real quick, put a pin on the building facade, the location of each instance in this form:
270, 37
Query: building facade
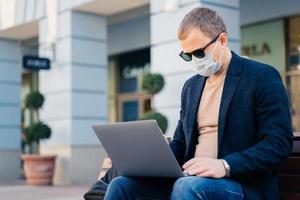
99, 50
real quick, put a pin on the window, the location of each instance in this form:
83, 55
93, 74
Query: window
293, 69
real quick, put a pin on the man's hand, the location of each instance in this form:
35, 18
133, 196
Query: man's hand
205, 167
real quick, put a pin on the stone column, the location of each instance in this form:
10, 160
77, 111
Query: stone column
10, 110
75, 90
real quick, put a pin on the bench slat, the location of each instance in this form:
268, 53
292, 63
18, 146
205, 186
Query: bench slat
289, 196
289, 183
291, 165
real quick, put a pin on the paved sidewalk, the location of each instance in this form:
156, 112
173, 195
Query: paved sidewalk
23, 192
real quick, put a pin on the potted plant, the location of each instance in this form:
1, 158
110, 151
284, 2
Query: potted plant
38, 169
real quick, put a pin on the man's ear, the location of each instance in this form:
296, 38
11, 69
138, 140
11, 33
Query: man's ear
223, 39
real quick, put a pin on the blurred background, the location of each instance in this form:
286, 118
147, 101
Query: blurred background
73, 63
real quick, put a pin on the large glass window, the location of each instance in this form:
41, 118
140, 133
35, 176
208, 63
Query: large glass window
293, 69
277, 43
264, 42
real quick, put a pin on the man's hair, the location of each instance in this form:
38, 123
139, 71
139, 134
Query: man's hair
207, 20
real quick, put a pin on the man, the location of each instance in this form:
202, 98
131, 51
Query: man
234, 125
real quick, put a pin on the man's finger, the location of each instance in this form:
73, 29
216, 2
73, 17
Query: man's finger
198, 170
205, 174
189, 163
193, 167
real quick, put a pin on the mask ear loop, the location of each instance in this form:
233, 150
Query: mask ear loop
220, 59
214, 48
213, 51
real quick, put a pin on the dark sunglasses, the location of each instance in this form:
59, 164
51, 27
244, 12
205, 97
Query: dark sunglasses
199, 53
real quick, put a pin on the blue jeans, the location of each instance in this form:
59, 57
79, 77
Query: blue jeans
191, 187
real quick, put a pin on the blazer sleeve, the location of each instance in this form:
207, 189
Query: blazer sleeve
178, 144
273, 128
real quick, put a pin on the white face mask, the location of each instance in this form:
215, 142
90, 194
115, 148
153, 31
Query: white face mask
206, 66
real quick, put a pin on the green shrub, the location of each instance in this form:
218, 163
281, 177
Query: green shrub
161, 120
153, 83
36, 132
34, 100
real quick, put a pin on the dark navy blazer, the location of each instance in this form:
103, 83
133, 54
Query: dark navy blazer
254, 131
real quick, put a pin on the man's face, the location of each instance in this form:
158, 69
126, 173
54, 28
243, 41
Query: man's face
197, 39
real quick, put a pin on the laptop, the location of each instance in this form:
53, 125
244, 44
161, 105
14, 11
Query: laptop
138, 149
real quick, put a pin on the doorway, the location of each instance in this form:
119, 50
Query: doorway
127, 100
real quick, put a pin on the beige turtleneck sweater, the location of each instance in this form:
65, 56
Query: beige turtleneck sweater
208, 113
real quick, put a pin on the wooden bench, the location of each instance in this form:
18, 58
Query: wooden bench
288, 173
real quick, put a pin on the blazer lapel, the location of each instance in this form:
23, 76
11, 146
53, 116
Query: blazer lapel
230, 85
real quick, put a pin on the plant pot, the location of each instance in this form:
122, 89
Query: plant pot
39, 169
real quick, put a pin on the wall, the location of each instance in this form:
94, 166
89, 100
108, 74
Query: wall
260, 10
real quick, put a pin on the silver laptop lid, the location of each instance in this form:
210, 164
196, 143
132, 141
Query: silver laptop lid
138, 148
